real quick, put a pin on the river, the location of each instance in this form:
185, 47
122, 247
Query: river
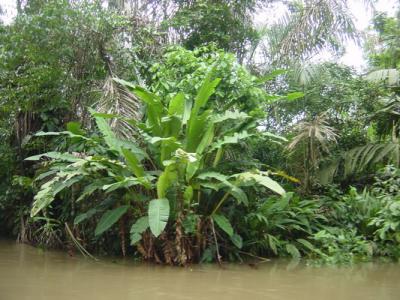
28, 273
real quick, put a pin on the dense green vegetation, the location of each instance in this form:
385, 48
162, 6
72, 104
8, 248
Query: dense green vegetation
162, 131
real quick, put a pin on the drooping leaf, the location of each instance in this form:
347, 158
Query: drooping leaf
106, 131
133, 163
109, 218
158, 215
293, 251
140, 225
50, 189
123, 184
263, 180
82, 217
95, 185
235, 191
138, 228
237, 240
223, 223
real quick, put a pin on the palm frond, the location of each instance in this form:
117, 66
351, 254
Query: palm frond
118, 100
358, 160
313, 25
389, 76
317, 130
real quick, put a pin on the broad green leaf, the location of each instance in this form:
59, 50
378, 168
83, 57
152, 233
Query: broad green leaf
186, 113
192, 168
124, 82
154, 109
82, 217
109, 218
230, 115
237, 136
133, 163
235, 191
204, 93
237, 240
213, 175
197, 128
140, 225
166, 179
262, 180
105, 116
223, 223
45, 174
123, 184
138, 228
294, 96
167, 148
58, 133
139, 153
207, 139
95, 185
171, 126
75, 128
197, 123
55, 155
188, 194
177, 105
278, 137
158, 215
239, 195
135, 237
107, 132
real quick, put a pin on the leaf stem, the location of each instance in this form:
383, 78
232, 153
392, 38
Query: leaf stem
220, 202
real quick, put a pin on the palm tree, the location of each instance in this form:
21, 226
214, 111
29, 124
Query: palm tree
312, 141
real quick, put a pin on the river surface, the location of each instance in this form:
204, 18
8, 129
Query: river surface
30, 273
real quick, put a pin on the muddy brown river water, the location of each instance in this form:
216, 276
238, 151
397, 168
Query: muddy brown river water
31, 273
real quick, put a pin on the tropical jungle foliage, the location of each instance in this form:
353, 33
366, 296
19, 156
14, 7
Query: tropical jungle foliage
181, 132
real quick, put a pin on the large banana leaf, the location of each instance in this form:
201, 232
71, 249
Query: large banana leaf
158, 215
197, 122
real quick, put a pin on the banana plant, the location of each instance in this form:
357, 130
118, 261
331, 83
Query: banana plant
187, 141
177, 160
